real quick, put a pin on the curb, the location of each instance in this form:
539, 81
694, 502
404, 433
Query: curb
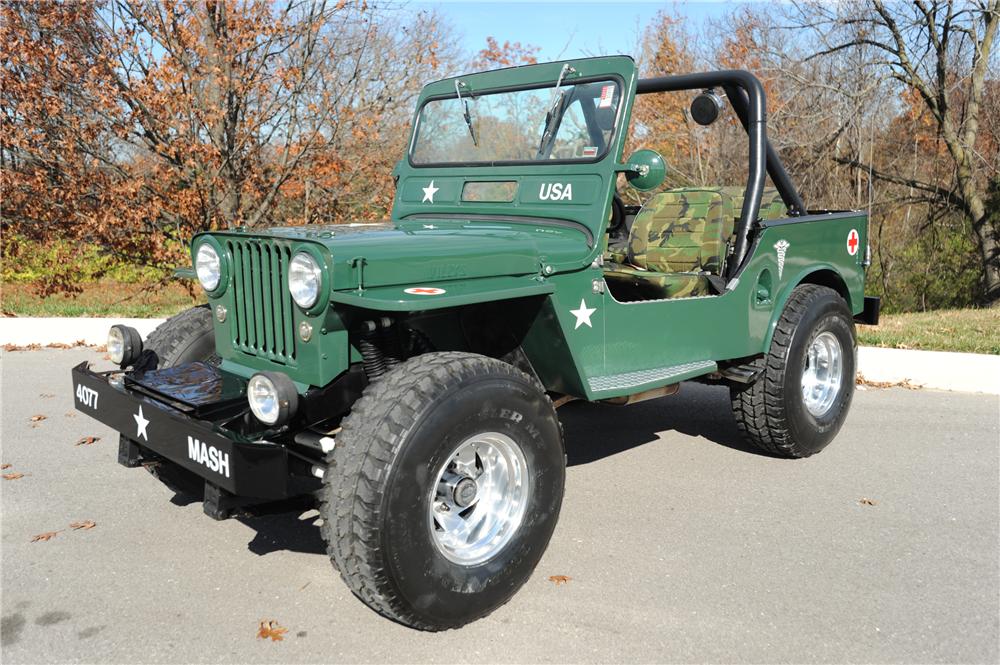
939, 370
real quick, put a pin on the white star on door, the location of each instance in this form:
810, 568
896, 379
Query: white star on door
583, 314
429, 192
140, 425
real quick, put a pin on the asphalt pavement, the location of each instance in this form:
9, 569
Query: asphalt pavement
680, 545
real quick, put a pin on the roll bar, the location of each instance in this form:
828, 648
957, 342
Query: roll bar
746, 96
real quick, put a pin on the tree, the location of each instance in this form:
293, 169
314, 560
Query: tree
940, 53
136, 124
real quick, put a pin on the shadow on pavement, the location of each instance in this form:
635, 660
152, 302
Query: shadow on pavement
595, 431
592, 432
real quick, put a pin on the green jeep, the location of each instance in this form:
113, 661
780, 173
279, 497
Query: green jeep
407, 374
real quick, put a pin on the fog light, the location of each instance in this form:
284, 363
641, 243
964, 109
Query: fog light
272, 397
124, 345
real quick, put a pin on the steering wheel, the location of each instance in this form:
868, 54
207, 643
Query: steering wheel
617, 214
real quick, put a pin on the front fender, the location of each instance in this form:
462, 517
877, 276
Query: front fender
439, 295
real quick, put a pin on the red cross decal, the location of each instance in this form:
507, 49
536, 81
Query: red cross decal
852, 242
424, 291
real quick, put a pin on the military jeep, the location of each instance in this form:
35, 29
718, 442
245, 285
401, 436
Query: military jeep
407, 375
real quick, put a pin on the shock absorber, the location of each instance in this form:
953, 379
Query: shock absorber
392, 349
371, 356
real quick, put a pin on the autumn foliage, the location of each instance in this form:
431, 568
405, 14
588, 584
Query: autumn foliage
135, 125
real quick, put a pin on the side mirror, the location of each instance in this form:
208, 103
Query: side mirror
645, 170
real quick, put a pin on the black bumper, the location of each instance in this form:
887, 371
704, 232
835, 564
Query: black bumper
257, 469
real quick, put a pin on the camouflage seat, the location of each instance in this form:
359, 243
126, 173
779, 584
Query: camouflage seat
679, 241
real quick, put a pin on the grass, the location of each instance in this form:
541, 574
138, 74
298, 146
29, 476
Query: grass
964, 330
106, 297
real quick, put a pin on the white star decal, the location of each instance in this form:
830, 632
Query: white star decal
140, 425
429, 192
583, 314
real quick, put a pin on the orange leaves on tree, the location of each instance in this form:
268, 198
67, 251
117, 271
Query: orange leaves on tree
508, 54
272, 630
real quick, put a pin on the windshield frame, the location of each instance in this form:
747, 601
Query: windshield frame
610, 77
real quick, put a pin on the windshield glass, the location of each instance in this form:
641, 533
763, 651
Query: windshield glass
573, 122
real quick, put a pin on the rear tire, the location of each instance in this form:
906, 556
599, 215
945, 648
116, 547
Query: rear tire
394, 495
183, 338
799, 401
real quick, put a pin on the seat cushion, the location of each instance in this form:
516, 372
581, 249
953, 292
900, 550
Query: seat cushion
628, 283
680, 231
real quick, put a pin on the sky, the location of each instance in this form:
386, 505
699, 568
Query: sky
563, 29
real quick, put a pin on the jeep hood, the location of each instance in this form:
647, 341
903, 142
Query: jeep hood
430, 251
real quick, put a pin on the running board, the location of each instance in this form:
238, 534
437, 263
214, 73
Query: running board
649, 378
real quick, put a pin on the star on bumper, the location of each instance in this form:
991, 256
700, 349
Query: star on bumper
140, 425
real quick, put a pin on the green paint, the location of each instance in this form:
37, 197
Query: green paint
530, 239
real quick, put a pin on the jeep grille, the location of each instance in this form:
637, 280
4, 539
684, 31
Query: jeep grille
262, 322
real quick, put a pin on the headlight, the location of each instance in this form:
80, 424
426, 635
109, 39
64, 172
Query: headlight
272, 397
208, 266
304, 280
124, 345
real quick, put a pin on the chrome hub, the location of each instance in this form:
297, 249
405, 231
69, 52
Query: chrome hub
478, 498
823, 373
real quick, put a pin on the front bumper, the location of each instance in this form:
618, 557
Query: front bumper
224, 458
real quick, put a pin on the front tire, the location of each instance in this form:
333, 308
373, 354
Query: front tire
183, 338
799, 401
443, 489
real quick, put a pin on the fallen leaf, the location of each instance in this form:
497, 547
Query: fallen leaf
37, 418
87, 440
865, 501
48, 535
58, 345
70, 414
86, 524
559, 579
5, 466
305, 585
12, 476
46, 395
861, 381
271, 629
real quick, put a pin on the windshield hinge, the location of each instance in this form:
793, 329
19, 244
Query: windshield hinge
358, 263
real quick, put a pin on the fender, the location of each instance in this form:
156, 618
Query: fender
823, 274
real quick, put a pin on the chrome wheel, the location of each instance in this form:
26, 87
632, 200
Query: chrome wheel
823, 373
478, 498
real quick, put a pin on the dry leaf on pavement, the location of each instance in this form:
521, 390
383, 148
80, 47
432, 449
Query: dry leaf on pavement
13, 476
5, 466
86, 524
87, 440
559, 579
37, 418
865, 501
48, 535
271, 629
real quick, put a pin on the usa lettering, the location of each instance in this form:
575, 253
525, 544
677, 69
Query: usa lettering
208, 456
556, 191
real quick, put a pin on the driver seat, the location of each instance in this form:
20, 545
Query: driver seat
676, 246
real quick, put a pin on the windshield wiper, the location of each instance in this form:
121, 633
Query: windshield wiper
466, 115
554, 115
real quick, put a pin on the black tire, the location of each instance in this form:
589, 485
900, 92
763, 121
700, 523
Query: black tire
377, 492
183, 338
771, 412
